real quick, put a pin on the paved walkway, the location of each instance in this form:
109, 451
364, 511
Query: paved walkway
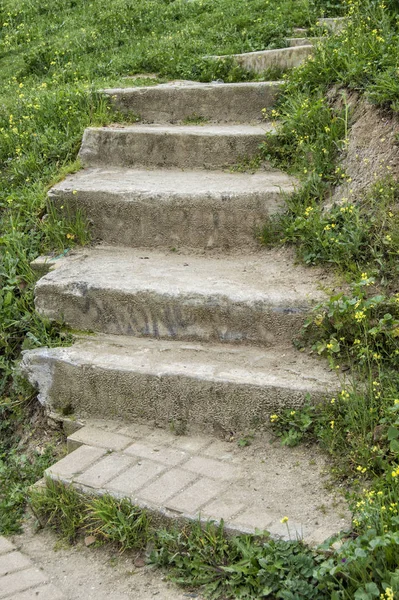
21, 579
194, 476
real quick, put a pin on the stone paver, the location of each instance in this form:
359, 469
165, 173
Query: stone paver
93, 436
135, 478
5, 546
167, 485
191, 499
249, 488
13, 561
211, 468
105, 470
167, 456
43, 592
75, 463
20, 579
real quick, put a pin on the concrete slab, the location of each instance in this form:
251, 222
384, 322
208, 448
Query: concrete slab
199, 386
213, 102
281, 59
173, 208
171, 146
260, 298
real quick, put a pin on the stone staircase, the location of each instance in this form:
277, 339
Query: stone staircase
189, 323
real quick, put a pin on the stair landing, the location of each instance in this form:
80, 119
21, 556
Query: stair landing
250, 488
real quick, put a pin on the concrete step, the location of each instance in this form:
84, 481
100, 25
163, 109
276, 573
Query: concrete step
260, 298
280, 59
214, 102
170, 208
197, 386
333, 24
168, 146
197, 477
299, 41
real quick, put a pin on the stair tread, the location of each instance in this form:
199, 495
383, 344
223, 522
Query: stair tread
269, 276
159, 182
193, 85
200, 477
208, 129
272, 52
282, 366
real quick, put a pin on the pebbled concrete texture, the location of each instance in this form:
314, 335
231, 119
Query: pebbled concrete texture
191, 386
168, 146
172, 208
215, 102
282, 58
250, 488
20, 578
261, 298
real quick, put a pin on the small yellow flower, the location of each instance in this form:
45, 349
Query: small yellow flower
361, 469
395, 473
332, 424
273, 418
284, 520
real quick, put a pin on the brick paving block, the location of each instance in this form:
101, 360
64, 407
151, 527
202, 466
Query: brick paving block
159, 453
76, 462
167, 485
20, 581
190, 500
13, 561
192, 445
91, 436
222, 508
106, 469
43, 592
214, 469
136, 477
5, 545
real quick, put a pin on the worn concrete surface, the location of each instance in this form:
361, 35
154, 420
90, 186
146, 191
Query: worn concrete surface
197, 477
168, 146
195, 386
171, 208
260, 298
302, 41
214, 102
282, 58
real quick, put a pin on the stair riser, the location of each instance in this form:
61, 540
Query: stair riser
167, 220
189, 316
161, 399
128, 148
283, 59
223, 103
